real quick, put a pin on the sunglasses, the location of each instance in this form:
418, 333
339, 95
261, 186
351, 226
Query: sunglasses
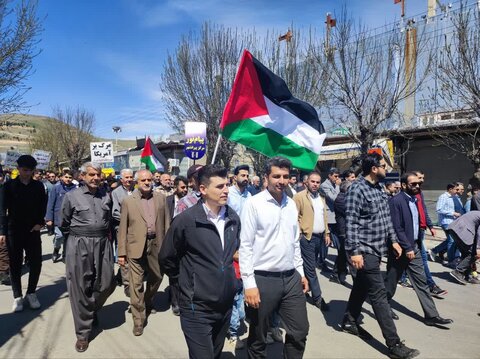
415, 184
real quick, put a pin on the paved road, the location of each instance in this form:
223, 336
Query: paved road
49, 333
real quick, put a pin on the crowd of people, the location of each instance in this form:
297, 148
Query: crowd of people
236, 249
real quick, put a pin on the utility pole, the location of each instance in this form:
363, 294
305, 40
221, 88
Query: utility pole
410, 70
403, 6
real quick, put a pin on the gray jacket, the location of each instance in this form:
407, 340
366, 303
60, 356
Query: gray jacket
330, 192
466, 227
118, 195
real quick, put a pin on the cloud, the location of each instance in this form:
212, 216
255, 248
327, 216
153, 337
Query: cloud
131, 72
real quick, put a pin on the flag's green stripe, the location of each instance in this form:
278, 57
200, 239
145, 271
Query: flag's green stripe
148, 161
270, 143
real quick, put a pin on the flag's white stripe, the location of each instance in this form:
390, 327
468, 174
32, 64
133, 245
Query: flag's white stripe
290, 126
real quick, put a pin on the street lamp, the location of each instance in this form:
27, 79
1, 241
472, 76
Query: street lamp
116, 129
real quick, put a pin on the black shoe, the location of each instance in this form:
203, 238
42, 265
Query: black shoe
322, 305
394, 315
401, 351
334, 279
150, 309
56, 255
353, 328
176, 310
437, 321
81, 345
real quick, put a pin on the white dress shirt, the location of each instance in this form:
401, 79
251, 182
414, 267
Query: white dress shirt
318, 219
218, 221
269, 239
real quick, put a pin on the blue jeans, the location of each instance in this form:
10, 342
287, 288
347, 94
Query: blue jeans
448, 245
238, 314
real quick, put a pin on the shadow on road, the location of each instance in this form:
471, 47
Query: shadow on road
13, 323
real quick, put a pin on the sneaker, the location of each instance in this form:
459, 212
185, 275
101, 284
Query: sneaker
32, 301
405, 284
473, 280
56, 255
5, 278
401, 351
276, 335
437, 292
349, 326
431, 255
459, 277
17, 305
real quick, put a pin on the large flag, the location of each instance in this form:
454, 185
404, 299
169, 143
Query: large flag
263, 115
152, 157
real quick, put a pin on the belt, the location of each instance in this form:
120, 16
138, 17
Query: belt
151, 235
283, 274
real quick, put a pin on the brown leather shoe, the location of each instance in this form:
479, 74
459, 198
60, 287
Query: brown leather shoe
81, 345
137, 330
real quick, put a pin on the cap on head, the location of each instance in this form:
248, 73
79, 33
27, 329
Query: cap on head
193, 170
27, 161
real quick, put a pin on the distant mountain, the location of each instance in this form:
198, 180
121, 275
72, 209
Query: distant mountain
16, 130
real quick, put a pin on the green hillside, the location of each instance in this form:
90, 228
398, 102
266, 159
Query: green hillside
16, 130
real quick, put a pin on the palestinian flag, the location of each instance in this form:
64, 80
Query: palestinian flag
152, 157
262, 114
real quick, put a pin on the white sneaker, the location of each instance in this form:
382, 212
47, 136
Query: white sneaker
32, 301
17, 305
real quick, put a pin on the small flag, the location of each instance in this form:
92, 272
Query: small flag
152, 157
263, 115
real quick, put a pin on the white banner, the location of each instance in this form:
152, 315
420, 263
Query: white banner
43, 158
101, 152
11, 158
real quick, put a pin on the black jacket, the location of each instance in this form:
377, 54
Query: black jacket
192, 252
339, 206
402, 221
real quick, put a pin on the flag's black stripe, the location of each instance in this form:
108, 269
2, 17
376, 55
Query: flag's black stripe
276, 90
158, 155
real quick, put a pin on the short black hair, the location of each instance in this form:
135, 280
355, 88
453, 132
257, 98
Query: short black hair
369, 161
450, 186
314, 173
404, 178
240, 168
418, 172
334, 171
179, 179
209, 171
277, 161
389, 183
347, 173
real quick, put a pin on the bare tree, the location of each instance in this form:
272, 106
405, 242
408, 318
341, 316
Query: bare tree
458, 76
19, 31
69, 137
370, 76
197, 79
45, 138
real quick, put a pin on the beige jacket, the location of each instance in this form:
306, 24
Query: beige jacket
132, 232
306, 215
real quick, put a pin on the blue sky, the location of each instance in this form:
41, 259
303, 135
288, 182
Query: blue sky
107, 55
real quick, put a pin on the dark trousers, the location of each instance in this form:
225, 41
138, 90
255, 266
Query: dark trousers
90, 279
174, 291
4, 261
204, 332
468, 254
140, 298
284, 294
416, 273
309, 250
340, 267
369, 281
20, 240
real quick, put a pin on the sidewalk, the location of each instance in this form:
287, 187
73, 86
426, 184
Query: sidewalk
49, 333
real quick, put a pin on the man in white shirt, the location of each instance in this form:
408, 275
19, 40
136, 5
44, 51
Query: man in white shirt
271, 263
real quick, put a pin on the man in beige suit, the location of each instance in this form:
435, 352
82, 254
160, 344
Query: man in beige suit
144, 221
313, 223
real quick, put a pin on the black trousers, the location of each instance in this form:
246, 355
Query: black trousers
369, 281
416, 273
284, 294
174, 291
204, 332
340, 267
20, 240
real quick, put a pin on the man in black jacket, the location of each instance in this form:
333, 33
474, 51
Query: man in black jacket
198, 250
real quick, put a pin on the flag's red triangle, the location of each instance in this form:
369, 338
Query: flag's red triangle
246, 99
147, 151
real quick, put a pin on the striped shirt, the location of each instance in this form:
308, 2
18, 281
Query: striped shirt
368, 223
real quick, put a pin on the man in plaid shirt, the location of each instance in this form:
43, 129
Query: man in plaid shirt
369, 231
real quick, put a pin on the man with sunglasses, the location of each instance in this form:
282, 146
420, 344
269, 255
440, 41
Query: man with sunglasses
406, 222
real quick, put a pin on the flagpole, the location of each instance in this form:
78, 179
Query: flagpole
216, 148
